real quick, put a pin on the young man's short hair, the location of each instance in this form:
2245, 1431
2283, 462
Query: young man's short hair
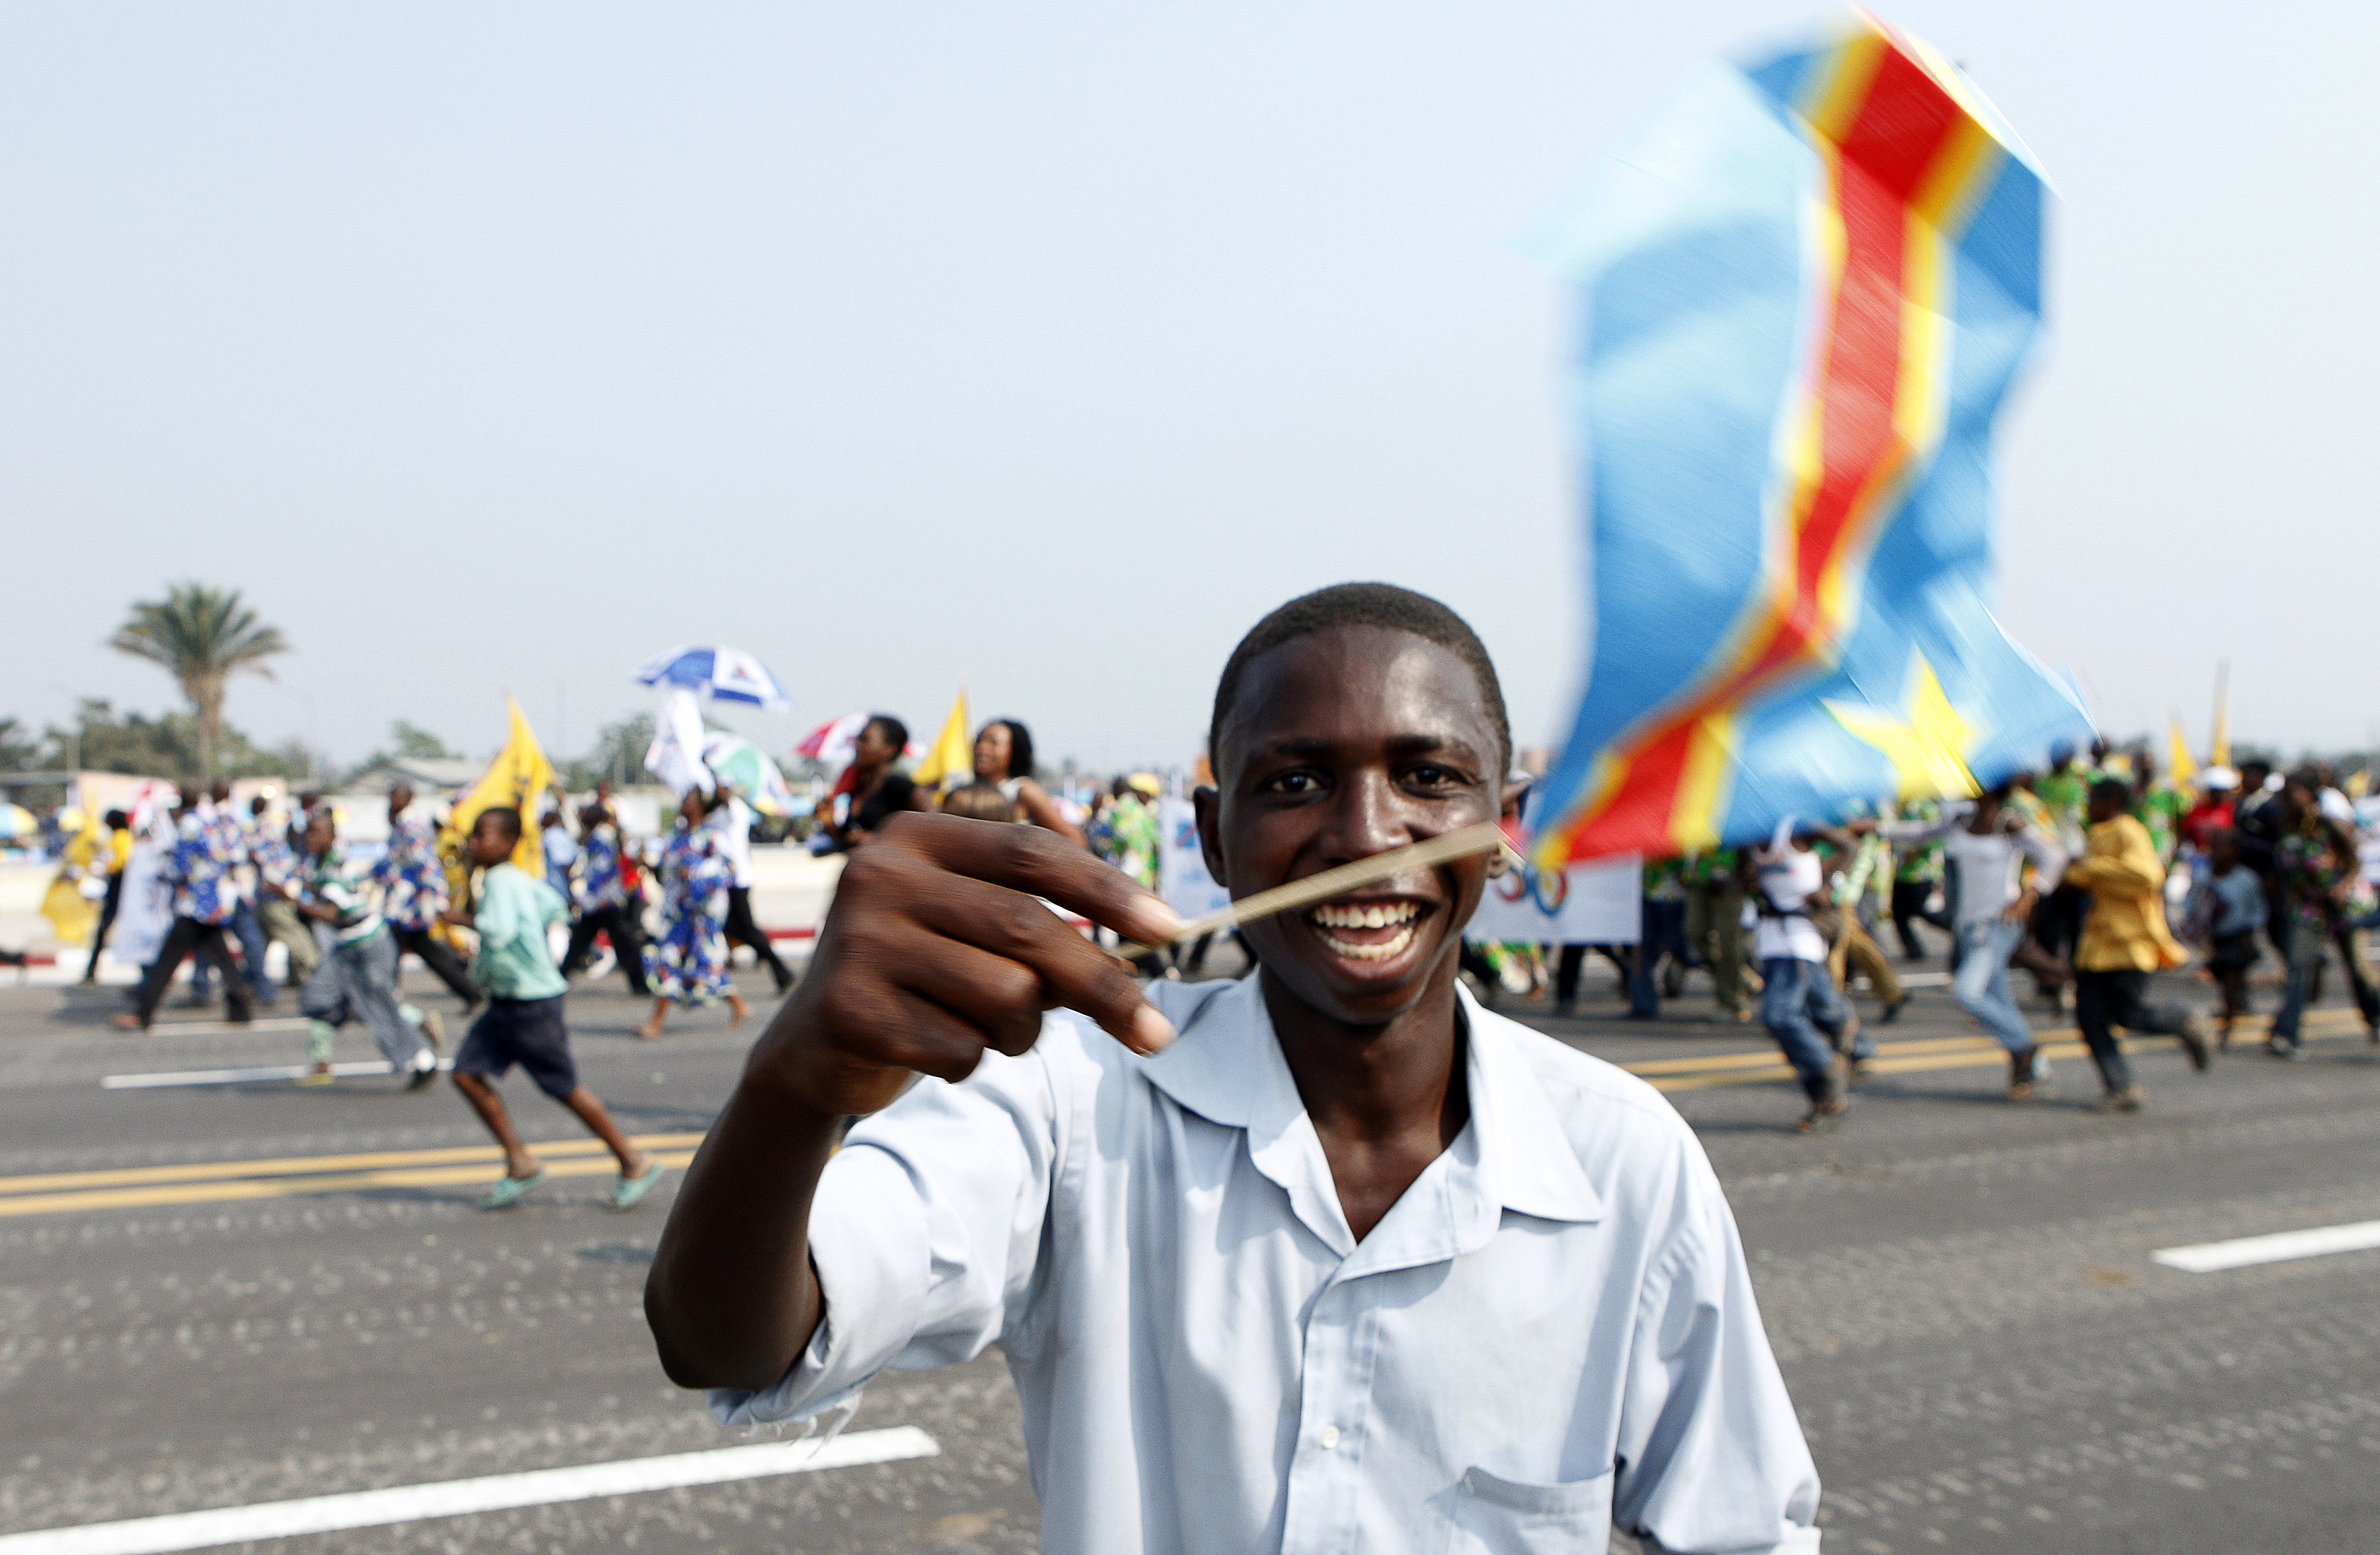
2115, 789
504, 816
1366, 604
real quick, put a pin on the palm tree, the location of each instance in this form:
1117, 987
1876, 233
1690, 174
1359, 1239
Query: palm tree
201, 637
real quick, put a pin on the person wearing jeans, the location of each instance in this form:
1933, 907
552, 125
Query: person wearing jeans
2316, 865
1988, 845
1798, 997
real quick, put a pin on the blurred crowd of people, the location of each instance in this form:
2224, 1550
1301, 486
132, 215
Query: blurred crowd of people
2085, 879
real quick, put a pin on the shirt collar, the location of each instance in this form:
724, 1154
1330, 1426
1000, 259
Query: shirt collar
1227, 1067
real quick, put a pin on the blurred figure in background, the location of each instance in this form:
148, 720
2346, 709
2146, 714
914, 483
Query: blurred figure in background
979, 801
280, 886
202, 900
358, 980
733, 821
609, 901
112, 855
1714, 930
873, 788
692, 963
2124, 940
1916, 876
1003, 756
561, 851
2226, 911
2316, 865
412, 881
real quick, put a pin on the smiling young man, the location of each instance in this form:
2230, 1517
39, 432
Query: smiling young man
1325, 1259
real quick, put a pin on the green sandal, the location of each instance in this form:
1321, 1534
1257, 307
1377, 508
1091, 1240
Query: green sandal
628, 1190
509, 1191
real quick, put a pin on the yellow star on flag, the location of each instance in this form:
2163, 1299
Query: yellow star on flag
1927, 746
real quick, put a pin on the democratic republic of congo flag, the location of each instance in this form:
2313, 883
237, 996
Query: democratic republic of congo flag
1804, 287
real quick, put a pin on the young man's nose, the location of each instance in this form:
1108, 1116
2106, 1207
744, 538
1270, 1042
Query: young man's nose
1368, 817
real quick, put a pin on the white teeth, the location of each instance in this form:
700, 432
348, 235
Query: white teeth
1384, 950
1376, 916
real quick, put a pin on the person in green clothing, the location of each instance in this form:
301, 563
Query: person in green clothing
523, 1021
1715, 925
2159, 806
1916, 874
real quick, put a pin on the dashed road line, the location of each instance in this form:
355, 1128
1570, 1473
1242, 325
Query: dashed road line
2242, 1252
459, 1498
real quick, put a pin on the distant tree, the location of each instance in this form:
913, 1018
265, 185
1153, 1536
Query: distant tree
618, 756
201, 637
412, 741
20, 751
165, 747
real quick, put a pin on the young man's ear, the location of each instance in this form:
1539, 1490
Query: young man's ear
1516, 793
1206, 803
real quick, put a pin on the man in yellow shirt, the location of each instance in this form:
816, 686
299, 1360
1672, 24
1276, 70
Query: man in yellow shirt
2124, 940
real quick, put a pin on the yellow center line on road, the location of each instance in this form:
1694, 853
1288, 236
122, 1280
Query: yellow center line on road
290, 1176
220, 1192
293, 1166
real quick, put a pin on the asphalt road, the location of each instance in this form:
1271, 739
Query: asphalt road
235, 1295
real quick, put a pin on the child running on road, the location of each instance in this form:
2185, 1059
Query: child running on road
357, 979
523, 1022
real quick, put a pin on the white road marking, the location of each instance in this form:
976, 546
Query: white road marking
456, 1498
2206, 1257
244, 1076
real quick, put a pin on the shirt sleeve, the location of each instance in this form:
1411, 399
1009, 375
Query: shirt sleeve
1712, 1457
926, 1233
2049, 859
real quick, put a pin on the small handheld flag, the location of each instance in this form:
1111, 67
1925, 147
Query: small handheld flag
1804, 287
951, 752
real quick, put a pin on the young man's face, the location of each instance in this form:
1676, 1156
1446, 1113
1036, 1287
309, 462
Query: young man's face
2106, 807
1343, 745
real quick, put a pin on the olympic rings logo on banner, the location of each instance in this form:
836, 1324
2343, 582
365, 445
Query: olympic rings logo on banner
1547, 891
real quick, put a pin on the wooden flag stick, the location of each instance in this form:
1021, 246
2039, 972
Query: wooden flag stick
1485, 837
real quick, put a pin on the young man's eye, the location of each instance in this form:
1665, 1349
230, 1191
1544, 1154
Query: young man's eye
1292, 782
1432, 775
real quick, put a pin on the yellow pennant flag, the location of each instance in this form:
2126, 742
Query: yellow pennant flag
2178, 758
518, 774
951, 753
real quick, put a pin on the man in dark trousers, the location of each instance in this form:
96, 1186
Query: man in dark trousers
412, 879
734, 822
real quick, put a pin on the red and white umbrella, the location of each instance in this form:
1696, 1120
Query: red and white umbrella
831, 742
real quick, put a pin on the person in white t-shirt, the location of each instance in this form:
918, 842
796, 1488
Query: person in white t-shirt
1798, 997
1990, 844
733, 821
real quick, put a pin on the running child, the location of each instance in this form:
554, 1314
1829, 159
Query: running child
523, 1021
357, 979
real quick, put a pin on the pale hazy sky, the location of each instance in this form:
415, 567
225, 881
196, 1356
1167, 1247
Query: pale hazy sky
1043, 347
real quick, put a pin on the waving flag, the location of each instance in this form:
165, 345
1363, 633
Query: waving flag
1805, 285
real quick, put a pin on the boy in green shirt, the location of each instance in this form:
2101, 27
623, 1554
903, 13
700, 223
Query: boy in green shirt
523, 1022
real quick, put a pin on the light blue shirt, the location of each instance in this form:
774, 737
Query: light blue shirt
1552, 1329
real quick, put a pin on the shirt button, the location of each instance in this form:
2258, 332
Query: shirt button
1328, 1436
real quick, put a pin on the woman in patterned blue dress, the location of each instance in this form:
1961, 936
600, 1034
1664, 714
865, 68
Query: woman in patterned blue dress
691, 959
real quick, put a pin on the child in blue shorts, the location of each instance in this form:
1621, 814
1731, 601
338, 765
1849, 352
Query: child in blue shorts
523, 1021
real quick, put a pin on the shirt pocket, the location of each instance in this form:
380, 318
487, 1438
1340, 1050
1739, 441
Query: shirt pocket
1492, 1515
